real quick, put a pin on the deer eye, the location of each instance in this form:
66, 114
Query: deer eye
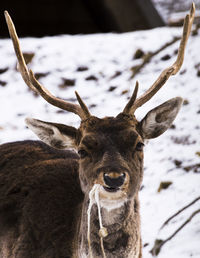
139, 146
82, 153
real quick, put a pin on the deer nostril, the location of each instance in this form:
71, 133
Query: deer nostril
113, 181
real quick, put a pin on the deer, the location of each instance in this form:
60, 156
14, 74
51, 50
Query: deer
75, 193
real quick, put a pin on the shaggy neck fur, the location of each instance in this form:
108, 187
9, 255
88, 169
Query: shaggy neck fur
123, 238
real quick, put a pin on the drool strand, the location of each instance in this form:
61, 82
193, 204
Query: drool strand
94, 198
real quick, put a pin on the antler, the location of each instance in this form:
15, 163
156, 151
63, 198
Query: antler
29, 78
134, 103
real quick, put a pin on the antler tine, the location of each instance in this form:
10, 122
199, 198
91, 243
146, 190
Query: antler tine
22, 65
82, 104
129, 105
173, 69
188, 21
76, 109
31, 81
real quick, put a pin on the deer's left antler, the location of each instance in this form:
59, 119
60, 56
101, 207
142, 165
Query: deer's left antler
134, 103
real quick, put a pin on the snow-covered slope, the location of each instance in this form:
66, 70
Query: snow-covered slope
98, 67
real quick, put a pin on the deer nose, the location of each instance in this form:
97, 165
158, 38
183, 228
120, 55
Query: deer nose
114, 180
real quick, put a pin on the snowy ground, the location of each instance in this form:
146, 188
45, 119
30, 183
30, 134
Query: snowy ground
106, 60
169, 8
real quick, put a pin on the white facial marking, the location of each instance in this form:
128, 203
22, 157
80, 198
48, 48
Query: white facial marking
111, 201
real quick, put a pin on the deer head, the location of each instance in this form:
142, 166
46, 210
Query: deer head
110, 149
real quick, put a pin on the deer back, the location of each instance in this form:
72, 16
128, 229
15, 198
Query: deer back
40, 199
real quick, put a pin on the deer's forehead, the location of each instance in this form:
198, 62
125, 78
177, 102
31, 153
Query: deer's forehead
109, 129
108, 124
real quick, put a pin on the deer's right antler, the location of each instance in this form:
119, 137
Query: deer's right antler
29, 78
134, 103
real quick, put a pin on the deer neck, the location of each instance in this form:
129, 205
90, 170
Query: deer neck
123, 226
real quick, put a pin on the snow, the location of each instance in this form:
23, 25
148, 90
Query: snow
104, 55
170, 9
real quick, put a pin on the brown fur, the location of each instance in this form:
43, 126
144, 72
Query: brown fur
39, 197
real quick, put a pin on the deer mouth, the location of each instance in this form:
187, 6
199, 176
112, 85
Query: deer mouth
111, 189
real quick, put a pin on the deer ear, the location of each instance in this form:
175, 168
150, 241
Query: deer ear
56, 135
159, 119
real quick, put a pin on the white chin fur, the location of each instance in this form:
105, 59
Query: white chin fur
111, 201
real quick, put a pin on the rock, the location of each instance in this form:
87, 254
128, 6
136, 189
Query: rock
92, 106
139, 53
3, 83
40, 75
91, 78
157, 247
112, 88
172, 126
195, 168
67, 83
164, 185
117, 73
3, 70
82, 69
165, 57
185, 102
124, 92
198, 153
177, 163
28, 57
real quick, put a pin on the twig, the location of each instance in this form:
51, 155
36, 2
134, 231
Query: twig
148, 57
159, 242
194, 167
178, 212
136, 69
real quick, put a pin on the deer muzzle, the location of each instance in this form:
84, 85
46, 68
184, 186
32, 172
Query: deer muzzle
113, 181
